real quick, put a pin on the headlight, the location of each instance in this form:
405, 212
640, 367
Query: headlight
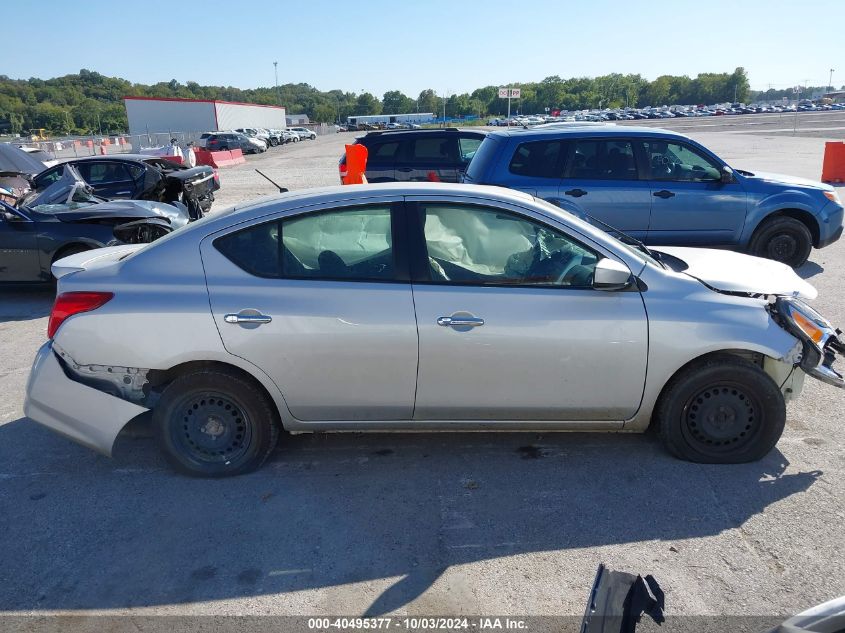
833, 196
804, 322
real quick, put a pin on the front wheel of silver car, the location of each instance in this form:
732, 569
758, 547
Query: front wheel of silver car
215, 423
721, 410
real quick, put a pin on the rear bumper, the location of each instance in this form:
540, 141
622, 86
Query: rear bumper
85, 415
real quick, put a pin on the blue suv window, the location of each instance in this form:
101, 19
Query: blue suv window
538, 159
679, 162
602, 160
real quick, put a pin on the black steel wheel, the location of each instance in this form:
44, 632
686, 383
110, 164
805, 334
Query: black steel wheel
214, 423
722, 409
783, 239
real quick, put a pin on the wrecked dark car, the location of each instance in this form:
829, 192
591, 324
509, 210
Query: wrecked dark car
65, 217
139, 177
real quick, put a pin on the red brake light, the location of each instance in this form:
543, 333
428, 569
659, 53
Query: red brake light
69, 303
342, 166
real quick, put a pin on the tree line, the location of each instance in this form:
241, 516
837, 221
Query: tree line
89, 103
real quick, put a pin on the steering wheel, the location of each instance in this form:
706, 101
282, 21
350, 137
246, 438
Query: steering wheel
661, 165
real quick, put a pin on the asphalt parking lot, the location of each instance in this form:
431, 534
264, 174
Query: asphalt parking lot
429, 524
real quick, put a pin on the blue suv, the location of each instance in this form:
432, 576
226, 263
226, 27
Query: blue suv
662, 188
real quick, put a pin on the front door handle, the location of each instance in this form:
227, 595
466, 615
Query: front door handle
663, 193
575, 193
460, 321
240, 317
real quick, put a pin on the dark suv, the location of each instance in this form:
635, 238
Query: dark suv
418, 155
662, 188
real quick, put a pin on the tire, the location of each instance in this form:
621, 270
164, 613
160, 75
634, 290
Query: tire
296, 139
721, 410
783, 239
313, 137
273, 142
214, 423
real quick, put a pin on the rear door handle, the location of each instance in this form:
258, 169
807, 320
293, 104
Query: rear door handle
460, 321
575, 193
247, 318
664, 194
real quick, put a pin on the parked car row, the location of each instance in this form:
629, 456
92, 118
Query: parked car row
666, 112
254, 140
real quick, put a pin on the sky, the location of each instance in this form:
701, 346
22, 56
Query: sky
449, 46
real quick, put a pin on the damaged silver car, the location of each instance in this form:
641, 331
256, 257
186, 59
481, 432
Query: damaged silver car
422, 306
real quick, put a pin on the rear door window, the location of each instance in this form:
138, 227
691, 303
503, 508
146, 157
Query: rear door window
384, 152
347, 245
433, 149
594, 159
538, 159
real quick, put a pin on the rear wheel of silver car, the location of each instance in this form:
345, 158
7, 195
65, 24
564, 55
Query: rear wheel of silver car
214, 423
722, 410
783, 239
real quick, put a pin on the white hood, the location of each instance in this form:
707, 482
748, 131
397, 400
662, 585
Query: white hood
736, 272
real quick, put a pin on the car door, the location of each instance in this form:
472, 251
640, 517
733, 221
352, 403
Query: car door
690, 203
429, 158
381, 160
603, 180
18, 246
109, 179
510, 327
321, 302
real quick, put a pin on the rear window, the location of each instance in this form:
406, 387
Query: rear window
480, 164
538, 159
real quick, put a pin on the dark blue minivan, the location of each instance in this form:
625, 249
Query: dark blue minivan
662, 188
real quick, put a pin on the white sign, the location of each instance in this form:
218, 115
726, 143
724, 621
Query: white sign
786, 99
515, 92
503, 93
509, 93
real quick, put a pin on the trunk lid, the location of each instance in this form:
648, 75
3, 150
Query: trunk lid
736, 272
89, 260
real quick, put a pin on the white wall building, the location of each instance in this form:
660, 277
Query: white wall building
149, 115
414, 117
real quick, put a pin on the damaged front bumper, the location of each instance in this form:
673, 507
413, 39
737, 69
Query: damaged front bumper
819, 363
84, 414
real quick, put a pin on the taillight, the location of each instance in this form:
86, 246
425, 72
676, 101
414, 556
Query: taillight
69, 303
216, 175
342, 166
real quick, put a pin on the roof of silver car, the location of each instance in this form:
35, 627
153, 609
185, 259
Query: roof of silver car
347, 192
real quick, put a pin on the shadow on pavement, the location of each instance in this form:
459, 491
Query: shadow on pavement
82, 531
809, 269
25, 302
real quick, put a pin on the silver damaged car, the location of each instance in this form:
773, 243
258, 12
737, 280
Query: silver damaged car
421, 306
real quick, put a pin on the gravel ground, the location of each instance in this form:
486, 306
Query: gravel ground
429, 523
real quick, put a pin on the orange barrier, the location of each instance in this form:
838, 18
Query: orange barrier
833, 167
219, 159
356, 165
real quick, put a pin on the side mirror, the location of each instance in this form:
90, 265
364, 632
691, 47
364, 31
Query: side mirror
611, 275
727, 176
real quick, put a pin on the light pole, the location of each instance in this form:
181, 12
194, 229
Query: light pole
276, 73
830, 81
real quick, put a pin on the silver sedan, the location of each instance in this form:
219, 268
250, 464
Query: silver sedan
421, 307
